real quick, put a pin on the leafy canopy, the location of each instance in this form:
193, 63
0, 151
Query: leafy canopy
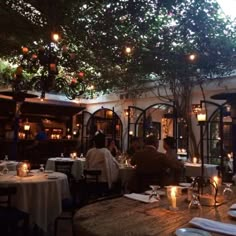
160, 34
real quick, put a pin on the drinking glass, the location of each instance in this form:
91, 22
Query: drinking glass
154, 192
195, 203
41, 168
5, 170
228, 192
6, 158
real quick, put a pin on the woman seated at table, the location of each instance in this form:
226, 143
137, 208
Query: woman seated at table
100, 158
112, 147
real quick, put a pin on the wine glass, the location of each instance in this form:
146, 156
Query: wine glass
195, 203
228, 192
154, 192
41, 169
5, 170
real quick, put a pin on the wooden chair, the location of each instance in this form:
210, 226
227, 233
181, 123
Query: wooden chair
65, 167
68, 205
93, 188
12, 220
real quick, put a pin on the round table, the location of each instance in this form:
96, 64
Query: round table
123, 216
11, 165
39, 194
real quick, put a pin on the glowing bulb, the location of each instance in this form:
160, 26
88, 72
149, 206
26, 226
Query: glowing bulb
128, 50
55, 37
192, 57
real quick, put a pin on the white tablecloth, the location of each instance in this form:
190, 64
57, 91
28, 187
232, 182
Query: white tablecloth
194, 170
77, 167
11, 165
39, 195
125, 174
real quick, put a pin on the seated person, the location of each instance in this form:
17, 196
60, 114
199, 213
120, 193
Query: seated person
170, 148
41, 134
151, 167
112, 147
135, 146
100, 158
177, 170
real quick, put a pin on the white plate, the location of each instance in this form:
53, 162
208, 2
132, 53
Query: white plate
187, 185
191, 232
232, 213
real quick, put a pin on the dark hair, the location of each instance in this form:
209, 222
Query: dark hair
134, 139
99, 140
151, 140
170, 141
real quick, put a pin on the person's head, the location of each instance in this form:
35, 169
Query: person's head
169, 143
40, 127
99, 139
112, 143
135, 142
152, 140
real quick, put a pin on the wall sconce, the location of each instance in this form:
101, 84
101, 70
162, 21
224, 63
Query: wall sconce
126, 112
196, 108
201, 116
26, 126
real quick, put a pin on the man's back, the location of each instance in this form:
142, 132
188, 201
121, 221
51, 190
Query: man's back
148, 160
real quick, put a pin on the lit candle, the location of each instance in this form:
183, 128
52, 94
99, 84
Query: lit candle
194, 160
173, 197
24, 169
217, 181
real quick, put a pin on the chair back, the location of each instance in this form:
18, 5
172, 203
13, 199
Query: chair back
64, 167
92, 175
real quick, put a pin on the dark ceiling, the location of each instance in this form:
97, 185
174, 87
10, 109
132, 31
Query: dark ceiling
60, 111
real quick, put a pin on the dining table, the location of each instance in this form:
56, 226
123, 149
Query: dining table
125, 216
126, 173
39, 194
77, 166
194, 170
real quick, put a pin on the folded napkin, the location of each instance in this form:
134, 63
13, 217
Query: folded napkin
141, 197
233, 207
214, 226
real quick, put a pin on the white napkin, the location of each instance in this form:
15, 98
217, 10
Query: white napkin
214, 226
233, 207
141, 197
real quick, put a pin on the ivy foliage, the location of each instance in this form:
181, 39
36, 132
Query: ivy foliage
160, 33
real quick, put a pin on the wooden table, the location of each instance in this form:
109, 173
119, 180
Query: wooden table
123, 216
